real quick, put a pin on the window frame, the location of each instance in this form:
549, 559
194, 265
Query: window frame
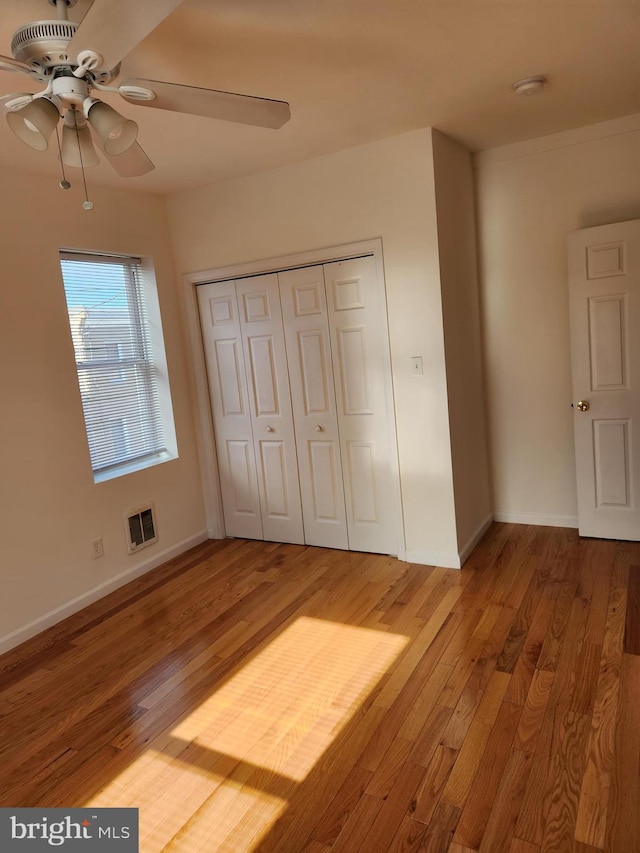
155, 430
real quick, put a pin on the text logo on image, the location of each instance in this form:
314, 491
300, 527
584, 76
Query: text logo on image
75, 830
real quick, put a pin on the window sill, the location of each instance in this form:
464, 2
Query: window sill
132, 467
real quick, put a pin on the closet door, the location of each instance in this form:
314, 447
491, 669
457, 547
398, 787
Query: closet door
304, 310
270, 405
362, 375
224, 355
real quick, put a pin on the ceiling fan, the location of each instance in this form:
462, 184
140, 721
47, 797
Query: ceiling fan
75, 61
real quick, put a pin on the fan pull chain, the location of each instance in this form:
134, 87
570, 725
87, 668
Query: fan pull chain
88, 205
64, 183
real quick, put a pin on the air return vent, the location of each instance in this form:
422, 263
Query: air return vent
140, 528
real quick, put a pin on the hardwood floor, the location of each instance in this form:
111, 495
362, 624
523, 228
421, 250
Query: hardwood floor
250, 696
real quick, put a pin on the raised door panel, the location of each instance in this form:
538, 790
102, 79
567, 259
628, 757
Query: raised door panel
604, 267
312, 358
362, 374
608, 342
264, 382
270, 408
276, 493
240, 463
222, 338
229, 376
612, 463
362, 471
314, 409
352, 361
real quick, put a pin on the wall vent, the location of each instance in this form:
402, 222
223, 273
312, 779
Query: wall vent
140, 528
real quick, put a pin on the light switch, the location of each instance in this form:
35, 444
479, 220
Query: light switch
416, 365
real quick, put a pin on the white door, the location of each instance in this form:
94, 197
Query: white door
224, 355
306, 325
604, 275
270, 404
362, 376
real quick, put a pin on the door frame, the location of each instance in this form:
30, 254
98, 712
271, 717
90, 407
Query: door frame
205, 437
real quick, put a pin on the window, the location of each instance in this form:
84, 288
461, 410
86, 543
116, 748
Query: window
120, 361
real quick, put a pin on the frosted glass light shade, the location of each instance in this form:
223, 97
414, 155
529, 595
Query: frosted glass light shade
76, 141
116, 132
34, 123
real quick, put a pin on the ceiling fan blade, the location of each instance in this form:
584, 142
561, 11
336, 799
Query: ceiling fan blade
9, 64
132, 163
113, 28
225, 106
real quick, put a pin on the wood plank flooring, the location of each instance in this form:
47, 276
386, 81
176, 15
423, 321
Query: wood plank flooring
632, 633
251, 696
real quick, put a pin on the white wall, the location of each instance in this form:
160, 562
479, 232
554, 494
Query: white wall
50, 508
385, 190
463, 352
529, 196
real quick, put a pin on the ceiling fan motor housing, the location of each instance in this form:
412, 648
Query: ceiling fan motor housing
43, 44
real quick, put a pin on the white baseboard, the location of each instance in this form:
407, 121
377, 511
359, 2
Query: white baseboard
477, 536
535, 518
445, 559
449, 559
9, 641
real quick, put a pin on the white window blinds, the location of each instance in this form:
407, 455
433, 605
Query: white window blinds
116, 373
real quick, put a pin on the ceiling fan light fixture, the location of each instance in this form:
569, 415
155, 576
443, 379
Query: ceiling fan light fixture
35, 122
77, 148
116, 132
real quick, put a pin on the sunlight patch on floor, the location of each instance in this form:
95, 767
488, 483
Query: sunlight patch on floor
287, 704
221, 777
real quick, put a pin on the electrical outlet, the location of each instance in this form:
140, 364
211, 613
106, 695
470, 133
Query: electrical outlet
97, 548
416, 365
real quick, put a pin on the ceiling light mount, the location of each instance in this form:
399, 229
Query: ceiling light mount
530, 85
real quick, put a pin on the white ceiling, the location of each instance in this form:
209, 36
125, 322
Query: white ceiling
355, 71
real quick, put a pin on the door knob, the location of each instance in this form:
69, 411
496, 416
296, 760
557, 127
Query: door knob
319, 428
583, 405
269, 429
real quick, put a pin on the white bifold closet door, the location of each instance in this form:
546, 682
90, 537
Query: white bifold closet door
249, 388
302, 407
362, 374
306, 325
